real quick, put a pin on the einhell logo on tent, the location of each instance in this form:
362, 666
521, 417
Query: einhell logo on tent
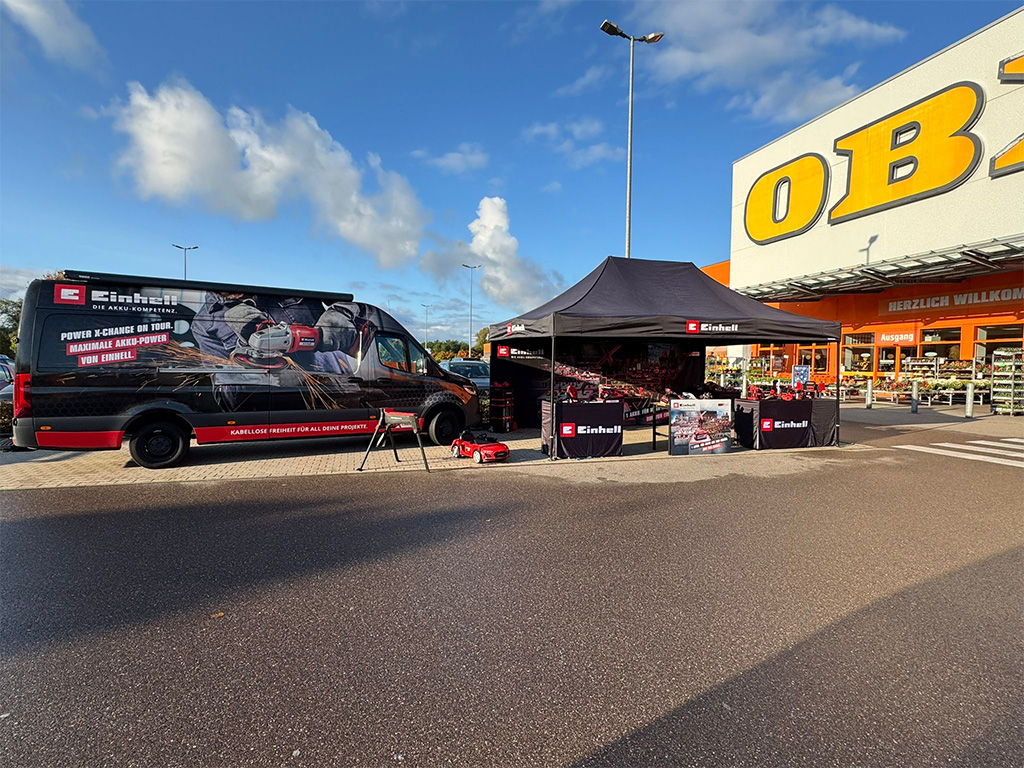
68, 294
693, 326
767, 425
567, 430
503, 352
515, 327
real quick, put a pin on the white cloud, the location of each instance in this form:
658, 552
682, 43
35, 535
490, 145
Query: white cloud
581, 157
588, 81
548, 130
467, 157
14, 280
564, 139
767, 53
585, 128
508, 279
180, 147
62, 35
554, 186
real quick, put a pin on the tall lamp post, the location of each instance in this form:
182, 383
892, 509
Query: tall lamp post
467, 266
611, 29
184, 256
425, 326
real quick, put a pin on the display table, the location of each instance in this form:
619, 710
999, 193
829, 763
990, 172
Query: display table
585, 429
766, 424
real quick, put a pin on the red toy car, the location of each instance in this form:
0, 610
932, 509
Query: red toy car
481, 447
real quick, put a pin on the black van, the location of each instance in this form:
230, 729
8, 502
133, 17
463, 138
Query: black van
104, 357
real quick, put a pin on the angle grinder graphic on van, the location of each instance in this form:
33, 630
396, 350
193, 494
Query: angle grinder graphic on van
104, 357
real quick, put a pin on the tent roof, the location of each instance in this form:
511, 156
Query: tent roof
661, 299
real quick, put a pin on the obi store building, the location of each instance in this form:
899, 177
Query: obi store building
899, 214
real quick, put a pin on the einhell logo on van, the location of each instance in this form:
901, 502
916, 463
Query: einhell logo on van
567, 430
68, 294
503, 352
113, 297
767, 425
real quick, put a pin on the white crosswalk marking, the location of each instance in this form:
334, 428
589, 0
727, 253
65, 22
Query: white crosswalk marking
974, 450
998, 445
983, 449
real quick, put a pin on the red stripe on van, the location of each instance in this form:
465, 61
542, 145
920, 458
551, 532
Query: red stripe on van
241, 432
50, 439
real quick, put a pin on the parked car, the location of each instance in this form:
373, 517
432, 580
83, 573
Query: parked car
477, 371
104, 358
6, 373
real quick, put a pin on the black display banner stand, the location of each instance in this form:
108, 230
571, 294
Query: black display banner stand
584, 429
766, 424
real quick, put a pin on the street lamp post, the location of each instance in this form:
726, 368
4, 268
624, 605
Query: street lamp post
426, 307
471, 268
611, 29
184, 256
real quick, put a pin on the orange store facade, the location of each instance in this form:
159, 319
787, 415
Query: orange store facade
957, 325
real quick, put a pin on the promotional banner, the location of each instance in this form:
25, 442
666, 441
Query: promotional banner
699, 427
109, 326
801, 375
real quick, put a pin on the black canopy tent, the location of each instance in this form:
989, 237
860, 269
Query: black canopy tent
659, 300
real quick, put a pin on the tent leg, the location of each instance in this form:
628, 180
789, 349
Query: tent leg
553, 437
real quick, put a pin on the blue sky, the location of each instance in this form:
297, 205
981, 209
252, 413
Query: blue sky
375, 147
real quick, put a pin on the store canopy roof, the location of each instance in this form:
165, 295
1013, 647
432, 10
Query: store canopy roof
661, 299
947, 266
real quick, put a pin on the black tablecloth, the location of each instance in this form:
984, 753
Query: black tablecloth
764, 424
584, 429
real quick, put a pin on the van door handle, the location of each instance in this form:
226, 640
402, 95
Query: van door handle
355, 379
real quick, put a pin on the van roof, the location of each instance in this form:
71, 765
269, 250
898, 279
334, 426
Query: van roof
199, 285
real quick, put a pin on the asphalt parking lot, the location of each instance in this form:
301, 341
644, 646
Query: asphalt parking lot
856, 606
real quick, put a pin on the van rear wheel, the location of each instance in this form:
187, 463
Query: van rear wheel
159, 445
445, 426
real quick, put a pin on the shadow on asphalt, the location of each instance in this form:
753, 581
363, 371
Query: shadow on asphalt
957, 659
125, 566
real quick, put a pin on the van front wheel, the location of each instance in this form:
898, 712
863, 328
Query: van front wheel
445, 426
159, 445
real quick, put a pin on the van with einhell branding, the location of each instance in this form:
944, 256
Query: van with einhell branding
107, 358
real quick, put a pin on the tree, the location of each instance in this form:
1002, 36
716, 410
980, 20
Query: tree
481, 339
10, 316
447, 349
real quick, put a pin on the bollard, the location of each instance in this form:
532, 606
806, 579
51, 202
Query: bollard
969, 405
721, 380
743, 386
914, 395
869, 393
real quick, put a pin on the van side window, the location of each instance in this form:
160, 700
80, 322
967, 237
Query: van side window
392, 352
418, 358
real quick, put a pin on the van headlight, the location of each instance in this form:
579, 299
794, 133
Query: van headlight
470, 387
